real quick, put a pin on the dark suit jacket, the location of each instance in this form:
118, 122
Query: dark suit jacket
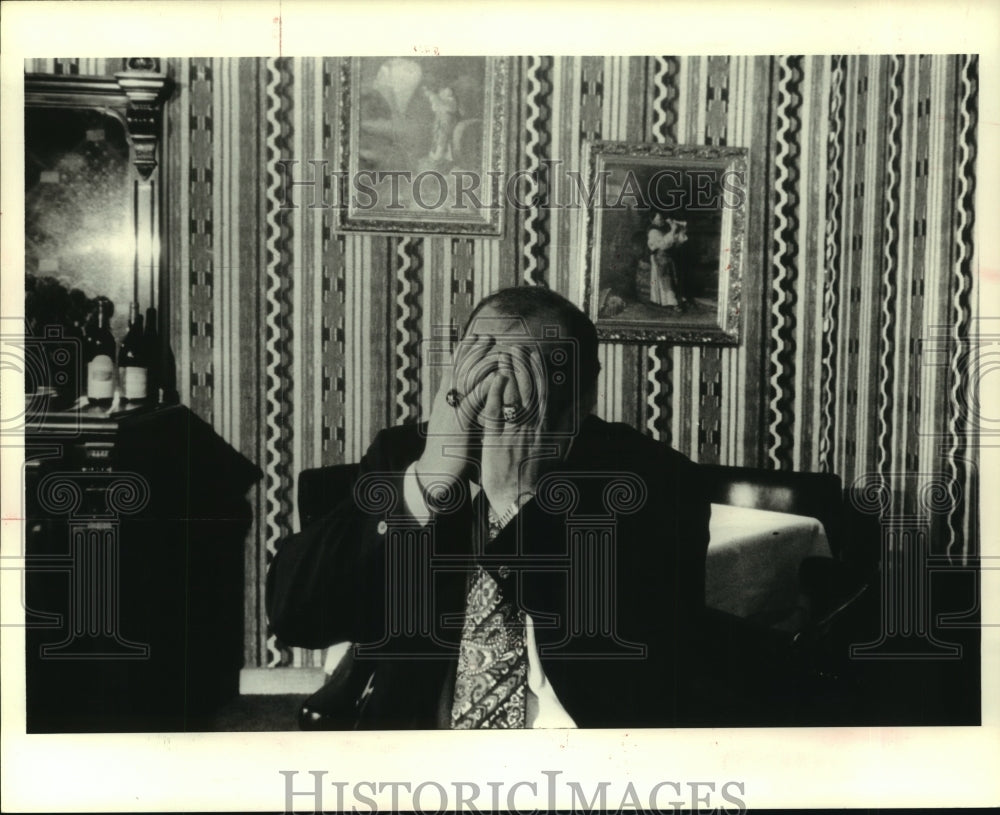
615, 584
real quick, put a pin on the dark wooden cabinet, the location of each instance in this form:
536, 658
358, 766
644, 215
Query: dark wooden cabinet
136, 525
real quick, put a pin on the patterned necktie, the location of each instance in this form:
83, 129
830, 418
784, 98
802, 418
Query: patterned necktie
491, 682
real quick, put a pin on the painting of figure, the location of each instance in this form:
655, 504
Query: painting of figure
663, 258
424, 135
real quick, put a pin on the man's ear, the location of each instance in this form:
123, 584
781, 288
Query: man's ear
588, 401
572, 418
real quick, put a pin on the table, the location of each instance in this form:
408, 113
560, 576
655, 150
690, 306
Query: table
753, 561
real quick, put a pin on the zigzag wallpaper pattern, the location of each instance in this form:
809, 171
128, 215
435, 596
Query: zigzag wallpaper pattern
298, 342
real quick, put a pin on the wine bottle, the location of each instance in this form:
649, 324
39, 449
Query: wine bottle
99, 353
132, 363
76, 315
151, 348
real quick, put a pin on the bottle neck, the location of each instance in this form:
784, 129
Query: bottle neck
104, 309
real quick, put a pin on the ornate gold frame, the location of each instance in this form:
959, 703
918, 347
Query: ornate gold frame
485, 221
724, 327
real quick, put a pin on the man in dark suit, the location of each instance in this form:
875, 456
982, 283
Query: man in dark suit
516, 561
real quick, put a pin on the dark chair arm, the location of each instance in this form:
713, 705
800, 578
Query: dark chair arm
339, 703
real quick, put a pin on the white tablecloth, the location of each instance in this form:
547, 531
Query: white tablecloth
753, 561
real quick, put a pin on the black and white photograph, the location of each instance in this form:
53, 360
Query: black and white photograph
675, 437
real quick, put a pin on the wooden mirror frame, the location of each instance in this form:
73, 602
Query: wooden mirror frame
135, 97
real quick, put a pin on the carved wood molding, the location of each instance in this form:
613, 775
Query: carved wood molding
134, 96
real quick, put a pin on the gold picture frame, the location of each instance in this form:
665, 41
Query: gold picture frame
423, 144
665, 237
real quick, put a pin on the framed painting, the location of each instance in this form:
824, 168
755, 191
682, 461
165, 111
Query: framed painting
664, 228
423, 144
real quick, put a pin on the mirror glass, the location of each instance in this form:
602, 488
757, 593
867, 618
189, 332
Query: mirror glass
78, 226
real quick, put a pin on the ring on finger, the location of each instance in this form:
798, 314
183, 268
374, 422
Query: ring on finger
453, 398
510, 413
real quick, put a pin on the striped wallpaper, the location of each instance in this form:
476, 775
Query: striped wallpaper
298, 342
